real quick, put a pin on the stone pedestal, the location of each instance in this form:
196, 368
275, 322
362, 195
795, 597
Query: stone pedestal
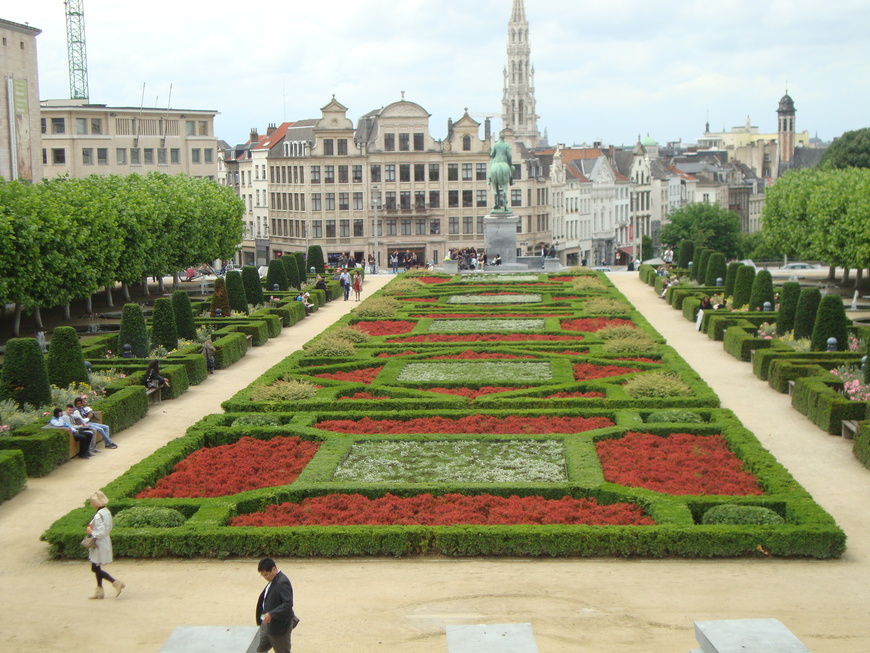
500, 237
736, 635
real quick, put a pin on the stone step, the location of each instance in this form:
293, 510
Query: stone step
746, 636
211, 639
497, 638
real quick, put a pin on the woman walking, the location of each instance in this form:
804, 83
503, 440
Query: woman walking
357, 285
101, 553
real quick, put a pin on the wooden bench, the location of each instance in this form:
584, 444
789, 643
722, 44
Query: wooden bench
250, 340
848, 428
153, 395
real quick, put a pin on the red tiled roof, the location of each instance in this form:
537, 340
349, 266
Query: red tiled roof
268, 141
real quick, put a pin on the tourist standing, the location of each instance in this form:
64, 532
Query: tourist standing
275, 615
101, 552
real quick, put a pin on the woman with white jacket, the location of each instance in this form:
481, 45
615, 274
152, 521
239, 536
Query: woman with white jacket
101, 553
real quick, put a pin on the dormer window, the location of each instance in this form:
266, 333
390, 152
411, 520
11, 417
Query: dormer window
466, 143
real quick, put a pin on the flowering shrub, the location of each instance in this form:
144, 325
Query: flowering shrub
385, 328
469, 355
658, 384
678, 464
248, 464
856, 344
853, 383
365, 375
469, 424
329, 346
606, 306
766, 331
487, 337
281, 390
800, 344
378, 307
594, 324
425, 509
351, 333
587, 371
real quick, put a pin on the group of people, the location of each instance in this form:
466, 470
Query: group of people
78, 419
347, 283
470, 259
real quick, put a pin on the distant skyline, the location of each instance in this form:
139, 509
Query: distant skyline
603, 71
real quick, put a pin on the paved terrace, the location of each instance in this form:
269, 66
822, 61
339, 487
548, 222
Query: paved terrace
403, 606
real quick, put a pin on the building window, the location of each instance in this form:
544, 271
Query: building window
81, 125
357, 174
518, 171
468, 224
419, 199
405, 199
357, 201
454, 225
328, 147
202, 126
405, 172
315, 174
161, 156
88, 156
434, 226
358, 228
43, 123
481, 172
328, 174
103, 156
420, 227
434, 172
390, 172
330, 202
418, 141
134, 156
466, 143
452, 172
344, 228
390, 200
121, 156
467, 198
434, 199
406, 227
389, 142
148, 153
404, 142
96, 125
342, 174
480, 224
330, 228
190, 127
58, 156
481, 198
391, 228
452, 199
516, 197
317, 229
344, 201
315, 202
342, 146
58, 126
466, 172
196, 155
208, 155
375, 173
175, 155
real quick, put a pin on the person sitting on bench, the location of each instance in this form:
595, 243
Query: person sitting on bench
63, 419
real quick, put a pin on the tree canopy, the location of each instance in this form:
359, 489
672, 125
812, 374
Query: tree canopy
707, 225
851, 150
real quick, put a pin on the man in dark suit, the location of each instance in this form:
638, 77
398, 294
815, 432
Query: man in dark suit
275, 609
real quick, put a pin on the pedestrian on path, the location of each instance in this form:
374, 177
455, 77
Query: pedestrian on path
357, 285
344, 280
101, 553
275, 615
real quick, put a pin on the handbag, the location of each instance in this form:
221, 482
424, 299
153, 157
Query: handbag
294, 621
89, 542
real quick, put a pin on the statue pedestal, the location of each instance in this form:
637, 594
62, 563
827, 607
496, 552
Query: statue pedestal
500, 237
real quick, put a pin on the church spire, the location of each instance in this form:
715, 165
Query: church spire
518, 103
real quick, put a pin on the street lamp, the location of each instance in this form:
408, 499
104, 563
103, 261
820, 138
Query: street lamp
376, 200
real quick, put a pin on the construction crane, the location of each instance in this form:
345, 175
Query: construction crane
76, 51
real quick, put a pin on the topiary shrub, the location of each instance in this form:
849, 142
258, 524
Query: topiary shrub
182, 311
716, 269
696, 262
605, 306
65, 361
292, 271
701, 274
731, 277
351, 334
276, 276
258, 419
378, 307
762, 291
743, 286
685, 254
24, 374
329, 347
291, 390
299, 257
788, 300
163, 330
831, 322
673, 415
805, 313
315, 259
236, 292
733, 514
253, 287
149, 517
220, 299
634, 343
133, 331
658, 384
406, 286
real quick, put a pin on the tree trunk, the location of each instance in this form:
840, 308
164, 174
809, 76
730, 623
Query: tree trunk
89, 305
176, 281
66, 316
832, 272
145, 292
160, 285
109, 301
37, 317
859, 277
846, 272
16, 321
126, 290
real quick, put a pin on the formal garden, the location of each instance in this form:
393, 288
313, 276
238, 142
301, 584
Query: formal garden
470, 415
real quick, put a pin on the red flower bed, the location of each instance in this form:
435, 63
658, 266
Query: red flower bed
486, 337
593, 323
445, 510
434, 279
572, 353
678, 464
361, 395
407, 352
449, 316
469, 355
473, 394
586, 371
248, 464
385, 327
421, 300
572, 395
640, 360
469, 424
366, 375
563, 278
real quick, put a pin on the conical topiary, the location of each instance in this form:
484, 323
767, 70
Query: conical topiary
831, 322
163, 330
788, 300
24, 375
805, 314
133, 331
696, 261
315, 259
236, 292
291, 270
220, 299
731, 277
702, 265
743, 286
253, 287
65, 361
716, 269
762, 291
299, 257
185, 326
276, 276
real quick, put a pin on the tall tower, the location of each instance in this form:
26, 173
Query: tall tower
76, 53
785, 130
518, 103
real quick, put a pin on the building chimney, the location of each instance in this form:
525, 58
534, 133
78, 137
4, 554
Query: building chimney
449, 129
271, 129
487, 129
611, 154
254, 135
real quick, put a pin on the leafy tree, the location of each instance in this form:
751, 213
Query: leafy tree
851, 150
743, 286
755, 246
708, 225
788, 300
185, 326
236, 292
685, 254
276, 276
762, 290
24, 375
805, 314
646, 248
220, 300
731, 277
133, 331
316, 259
291, 270
716, 269
253, 287
163, 329
65, 361
831, 322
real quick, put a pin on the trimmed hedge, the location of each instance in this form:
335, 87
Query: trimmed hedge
163, 330
818, 398
316, 259
743, 286
276, 276
13, 475
788, 300
253, 287
762, 291
220, 300
43, 448
716, 269
831, 322
236, 292
65, 362
805, 313
133, 331
731, 277
182, 311
24, 375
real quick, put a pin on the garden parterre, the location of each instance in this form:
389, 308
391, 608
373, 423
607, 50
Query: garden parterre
531, 418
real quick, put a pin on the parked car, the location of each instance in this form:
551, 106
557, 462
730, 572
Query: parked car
798, 266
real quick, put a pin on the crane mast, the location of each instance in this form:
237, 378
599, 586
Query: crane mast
76, 51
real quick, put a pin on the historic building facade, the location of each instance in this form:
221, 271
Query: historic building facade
19, 118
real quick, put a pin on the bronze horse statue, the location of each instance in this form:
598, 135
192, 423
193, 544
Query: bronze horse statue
501, 173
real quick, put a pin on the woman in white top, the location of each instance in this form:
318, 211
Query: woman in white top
101, 553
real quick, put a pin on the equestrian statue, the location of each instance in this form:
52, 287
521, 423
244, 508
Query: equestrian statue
501, 174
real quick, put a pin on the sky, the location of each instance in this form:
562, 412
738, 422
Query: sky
604, 71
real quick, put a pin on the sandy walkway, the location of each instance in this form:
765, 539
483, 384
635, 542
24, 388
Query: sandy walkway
359, 605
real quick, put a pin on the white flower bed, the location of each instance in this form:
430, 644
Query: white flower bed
500, 278
475, 461
484, 371
493, 299
480, 326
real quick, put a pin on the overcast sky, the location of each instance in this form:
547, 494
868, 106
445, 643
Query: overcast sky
604, 70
